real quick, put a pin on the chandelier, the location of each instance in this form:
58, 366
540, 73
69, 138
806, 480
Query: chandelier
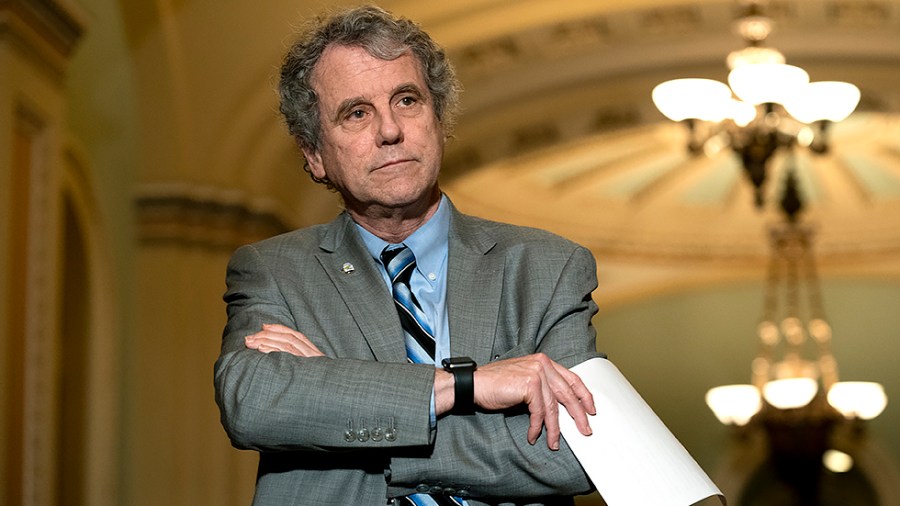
766, 106
792, 328
808, 418
795, 396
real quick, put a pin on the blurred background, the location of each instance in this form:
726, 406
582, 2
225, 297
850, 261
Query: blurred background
140, 143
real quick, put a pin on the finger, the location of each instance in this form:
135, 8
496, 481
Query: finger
535, 427
277, 341
533, 396
567, 394
282, 332
581, 390
551, 418
296, 340
277, 327
264, 348
287, 340
577, 413
252, 341
267, 344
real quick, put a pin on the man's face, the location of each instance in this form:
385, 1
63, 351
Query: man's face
381, 141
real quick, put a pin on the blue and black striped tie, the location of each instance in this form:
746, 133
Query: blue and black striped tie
400, 264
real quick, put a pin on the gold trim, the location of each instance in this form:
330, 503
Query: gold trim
205, 222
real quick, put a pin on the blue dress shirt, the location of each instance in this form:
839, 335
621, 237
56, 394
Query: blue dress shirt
429, 244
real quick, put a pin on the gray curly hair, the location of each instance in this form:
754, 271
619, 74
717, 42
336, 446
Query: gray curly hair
383, 36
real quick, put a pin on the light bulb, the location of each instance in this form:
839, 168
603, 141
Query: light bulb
734, 404
790, 393
762, 83
703, 99
824, 100
837, 461
858, 399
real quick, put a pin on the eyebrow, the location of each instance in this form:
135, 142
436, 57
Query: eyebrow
351, 103
408, 88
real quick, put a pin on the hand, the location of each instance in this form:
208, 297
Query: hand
542, 385
274, 337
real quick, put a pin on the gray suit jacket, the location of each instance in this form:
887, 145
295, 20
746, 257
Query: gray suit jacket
512, 291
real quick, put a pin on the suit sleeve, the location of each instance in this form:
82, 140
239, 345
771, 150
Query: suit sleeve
279, 402
487, 455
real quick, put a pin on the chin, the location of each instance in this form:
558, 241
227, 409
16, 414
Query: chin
398, 201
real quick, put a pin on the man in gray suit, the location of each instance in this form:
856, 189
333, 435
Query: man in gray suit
317, 371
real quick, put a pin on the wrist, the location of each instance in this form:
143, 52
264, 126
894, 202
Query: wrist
443, 392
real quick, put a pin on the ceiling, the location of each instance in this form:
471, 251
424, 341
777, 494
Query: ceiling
559, 132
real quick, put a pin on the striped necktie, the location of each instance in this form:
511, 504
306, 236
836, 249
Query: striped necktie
400, 264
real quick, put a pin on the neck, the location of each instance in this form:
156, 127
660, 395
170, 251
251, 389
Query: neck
395, 224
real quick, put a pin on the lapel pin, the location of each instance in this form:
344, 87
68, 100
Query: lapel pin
348, 268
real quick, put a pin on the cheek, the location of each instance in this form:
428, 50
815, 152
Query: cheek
436, 139
350, 158
338, 158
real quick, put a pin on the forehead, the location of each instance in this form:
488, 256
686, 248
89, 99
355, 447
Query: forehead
349, 72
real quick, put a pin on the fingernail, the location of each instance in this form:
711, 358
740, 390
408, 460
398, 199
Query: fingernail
555, 446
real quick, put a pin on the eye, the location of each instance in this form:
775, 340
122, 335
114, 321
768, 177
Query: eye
356, 114
408, 100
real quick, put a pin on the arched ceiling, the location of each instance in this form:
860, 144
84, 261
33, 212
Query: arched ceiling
567, 76
558, 129
559, 132
637, 193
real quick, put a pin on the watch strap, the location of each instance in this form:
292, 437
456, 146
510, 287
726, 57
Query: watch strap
464, 391
463, 370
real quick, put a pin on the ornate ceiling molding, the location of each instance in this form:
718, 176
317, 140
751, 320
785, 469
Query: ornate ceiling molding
47, 30
202, 217
566, 78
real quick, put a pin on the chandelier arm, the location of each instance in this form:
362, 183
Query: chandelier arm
819, 144
816, 307
819, 328
794, 333
769, 334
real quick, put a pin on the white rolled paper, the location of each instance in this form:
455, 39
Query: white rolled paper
632, 457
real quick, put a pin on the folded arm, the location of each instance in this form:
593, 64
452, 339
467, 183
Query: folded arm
535, 381
279, 402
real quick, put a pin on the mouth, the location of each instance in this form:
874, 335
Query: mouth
393, 163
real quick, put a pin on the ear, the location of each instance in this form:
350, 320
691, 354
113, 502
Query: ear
314, 160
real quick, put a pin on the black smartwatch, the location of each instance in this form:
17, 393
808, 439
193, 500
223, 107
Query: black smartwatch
463, 370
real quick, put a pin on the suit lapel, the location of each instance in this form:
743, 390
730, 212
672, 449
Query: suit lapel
474, 286
362, 289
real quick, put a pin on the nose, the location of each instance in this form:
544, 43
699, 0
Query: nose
390, 130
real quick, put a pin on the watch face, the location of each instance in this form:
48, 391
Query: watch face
457, 362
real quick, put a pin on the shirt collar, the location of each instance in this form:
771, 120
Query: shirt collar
429, 243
